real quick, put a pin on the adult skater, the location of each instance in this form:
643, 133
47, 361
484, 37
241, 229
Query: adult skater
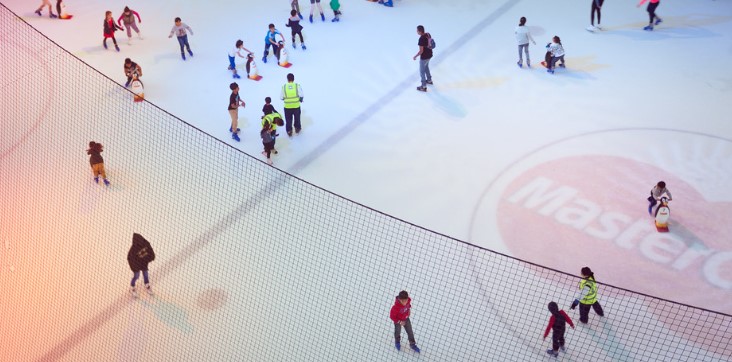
652, 5
97, 162
557, 51
557, 324
238, 47
128, 19
399, 314
294, 24
588, 296
296, 6
271, 40
424, 54
140, 255
657, 192
46, 3
313, 3
523, 36
234, 103
109, 28
293, 96
596, 6
179, 29
132, 70
274, 119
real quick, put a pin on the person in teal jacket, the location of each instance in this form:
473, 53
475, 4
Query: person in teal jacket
336, 6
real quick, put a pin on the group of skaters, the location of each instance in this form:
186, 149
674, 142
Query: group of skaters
555, 49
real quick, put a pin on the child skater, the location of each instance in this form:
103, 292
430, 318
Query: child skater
596, 7
109, 28
336, 6
657, 192
522, 37
179, 29
652, 5
234, 103
128, 18
294, 24
267, 140
268, 108
588, 296
270, 40
313, 3
557, 52
97, 162
296, 6
399, 314
557, 324
238, 47
50, 9
140, 255
132, 70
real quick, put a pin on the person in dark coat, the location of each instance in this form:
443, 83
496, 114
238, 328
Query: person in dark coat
140, 255
557, 324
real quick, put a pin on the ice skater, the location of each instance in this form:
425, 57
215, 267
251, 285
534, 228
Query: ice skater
557, 324
109, 28
238, 47
271, 40
132, 70
296, 7
399, 314
652, 5
557, 52
657, 192
596, 7
179, 29
293, 96
294, 24
46, 3
268, 108
97, 162
128, 19
140, 255
234, 103
523, 36
267, 140
314, 3
424, 54
335, 5
587, 296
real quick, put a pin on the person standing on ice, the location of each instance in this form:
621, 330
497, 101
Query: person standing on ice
238, 47
140, 255
294, 24
335, 5
128, 19
587, 296
268, 108
651, 9
179, 29
293, 96
109, 28
97, 162
557, 324
313, 3
399, 314
657, 192
50, 9
234, 103
424, 54
523, 36
271, 40
596, 6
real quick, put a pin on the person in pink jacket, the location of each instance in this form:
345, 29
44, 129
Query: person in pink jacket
128, 17
400, 316
652, 5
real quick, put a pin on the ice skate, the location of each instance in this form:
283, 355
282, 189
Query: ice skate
429, 82
183, 56
528, 64
658, 21
237, 130
519, 64
105, 45
148, 289
116, 47
422, 89
106, 182
236, 76
598, 27
591, 28
264, 59
133, 292
552, 352
269, 161
398, 346
52, 16
38, 12
96, 179
190, 53
293, 45
311, 18
414, 348
274, 151
299, 15
139, 35
648, 28
322, 17
304, 47
235, 137
129, 41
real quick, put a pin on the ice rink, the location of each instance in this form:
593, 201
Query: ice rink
550, 169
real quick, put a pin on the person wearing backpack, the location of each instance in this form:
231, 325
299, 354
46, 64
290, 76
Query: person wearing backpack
426, 44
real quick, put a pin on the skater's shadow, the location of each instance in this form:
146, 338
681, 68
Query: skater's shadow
607, 339
89, 197
536, 31
169, 313
167, 56
132, 344
448, 105
691, 26
578, 68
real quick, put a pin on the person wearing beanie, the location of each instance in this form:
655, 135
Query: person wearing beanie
400, 316
657, 192
557, 324
587, 296
140, 255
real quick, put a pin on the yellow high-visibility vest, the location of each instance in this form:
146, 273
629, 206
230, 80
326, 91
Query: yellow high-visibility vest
292, 99
270, 118
591, 297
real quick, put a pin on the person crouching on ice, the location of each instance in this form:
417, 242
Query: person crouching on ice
657, 192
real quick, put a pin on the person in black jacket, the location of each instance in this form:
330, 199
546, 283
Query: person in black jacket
141, 253
109, 28
96, 161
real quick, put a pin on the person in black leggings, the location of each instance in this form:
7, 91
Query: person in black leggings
652, 5
596, 6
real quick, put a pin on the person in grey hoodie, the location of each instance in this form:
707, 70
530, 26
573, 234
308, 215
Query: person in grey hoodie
140, 255
523, 36
128, 18
657, 192
179, 29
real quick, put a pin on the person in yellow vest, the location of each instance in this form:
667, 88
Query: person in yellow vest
274, 119
588, 296
293, 96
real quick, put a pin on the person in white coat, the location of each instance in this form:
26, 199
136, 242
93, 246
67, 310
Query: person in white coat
523, 36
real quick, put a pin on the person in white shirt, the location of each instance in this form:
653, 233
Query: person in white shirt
239, 46
522, 38
657, 192
557, 51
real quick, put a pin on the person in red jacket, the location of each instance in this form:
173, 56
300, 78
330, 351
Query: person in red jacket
400, 316
557, 323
